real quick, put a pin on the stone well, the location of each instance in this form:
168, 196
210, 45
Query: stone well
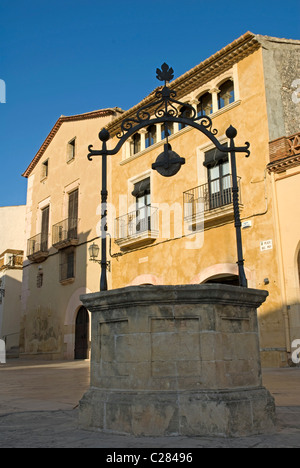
176, 360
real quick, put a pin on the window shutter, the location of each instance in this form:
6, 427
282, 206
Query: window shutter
141, 188
73, 205
45, 228
213, 156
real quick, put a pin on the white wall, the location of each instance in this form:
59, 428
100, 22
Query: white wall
12, 227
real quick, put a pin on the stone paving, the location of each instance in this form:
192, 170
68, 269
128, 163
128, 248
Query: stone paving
38, 409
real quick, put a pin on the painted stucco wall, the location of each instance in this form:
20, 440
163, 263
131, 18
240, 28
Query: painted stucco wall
12, 224
49, 312
183, 261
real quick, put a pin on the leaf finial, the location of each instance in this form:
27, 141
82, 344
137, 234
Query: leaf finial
166, 73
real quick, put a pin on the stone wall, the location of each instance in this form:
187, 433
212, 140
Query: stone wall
282, 79
176, 360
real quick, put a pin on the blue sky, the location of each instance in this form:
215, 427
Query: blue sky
73, 56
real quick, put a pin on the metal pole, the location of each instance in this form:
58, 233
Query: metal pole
104, 193
231, 133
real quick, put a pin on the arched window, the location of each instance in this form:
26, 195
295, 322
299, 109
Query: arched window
150, 136
226, 94
136, 143
205, 105
186, 112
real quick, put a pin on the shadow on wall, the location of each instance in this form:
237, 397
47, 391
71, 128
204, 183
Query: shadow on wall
278, 348
50, 329
10, 313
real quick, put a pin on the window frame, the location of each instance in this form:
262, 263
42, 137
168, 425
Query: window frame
45, 169
68, 275
222, 105
71, 150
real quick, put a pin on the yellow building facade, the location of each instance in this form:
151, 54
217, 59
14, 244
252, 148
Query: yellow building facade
177, 230
61, 219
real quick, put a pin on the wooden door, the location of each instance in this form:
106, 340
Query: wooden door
82, 334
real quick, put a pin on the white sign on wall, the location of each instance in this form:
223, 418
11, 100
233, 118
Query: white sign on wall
266, 245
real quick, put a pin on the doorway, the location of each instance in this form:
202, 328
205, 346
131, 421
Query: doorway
232, 280
82, 334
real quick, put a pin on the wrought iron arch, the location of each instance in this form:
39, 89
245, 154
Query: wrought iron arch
164, 109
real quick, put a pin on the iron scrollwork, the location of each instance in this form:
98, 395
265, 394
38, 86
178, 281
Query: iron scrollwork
165, 109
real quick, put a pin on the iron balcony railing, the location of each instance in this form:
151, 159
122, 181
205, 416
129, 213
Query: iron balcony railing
38, 243
65, 231
209, 196
137, 222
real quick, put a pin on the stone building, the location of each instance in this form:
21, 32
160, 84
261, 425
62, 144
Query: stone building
11, 262
61, 220
160, 232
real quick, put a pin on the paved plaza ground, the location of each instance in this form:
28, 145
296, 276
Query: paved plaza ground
39, 409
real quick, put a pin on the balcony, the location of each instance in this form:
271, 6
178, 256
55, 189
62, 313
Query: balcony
137, 228
64, 233
211, 202
37, 248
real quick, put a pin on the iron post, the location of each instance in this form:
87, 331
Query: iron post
231, 134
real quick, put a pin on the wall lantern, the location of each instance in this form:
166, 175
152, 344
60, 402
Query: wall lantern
94, 252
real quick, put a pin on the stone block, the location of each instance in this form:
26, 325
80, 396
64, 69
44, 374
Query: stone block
176, 360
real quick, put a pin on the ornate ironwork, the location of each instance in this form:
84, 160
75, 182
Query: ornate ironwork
164, 109
165, 74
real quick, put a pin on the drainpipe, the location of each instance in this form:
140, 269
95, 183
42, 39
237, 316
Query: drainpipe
281, 268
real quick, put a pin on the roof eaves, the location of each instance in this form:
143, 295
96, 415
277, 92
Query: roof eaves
57, 125
217, 63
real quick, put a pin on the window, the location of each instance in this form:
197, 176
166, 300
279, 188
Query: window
226, 94
45, 169
71, 150
219, 178
150, 136
45, 228
136, 143
186, 112
67, 264
170, 129
73, 214
142, 196
205, 105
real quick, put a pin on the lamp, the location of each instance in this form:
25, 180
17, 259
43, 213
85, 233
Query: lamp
93, 252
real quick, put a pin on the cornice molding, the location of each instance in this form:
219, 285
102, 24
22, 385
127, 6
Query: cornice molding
213, 66
58, 124
283, 164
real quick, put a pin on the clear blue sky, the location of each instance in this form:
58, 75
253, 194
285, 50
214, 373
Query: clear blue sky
73, 56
